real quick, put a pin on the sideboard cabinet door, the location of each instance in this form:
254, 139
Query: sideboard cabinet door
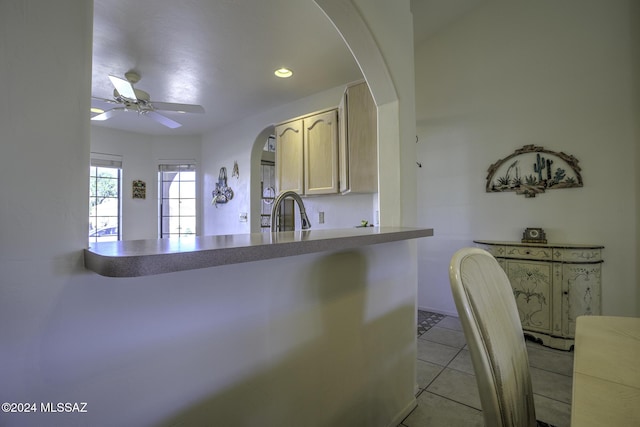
581, 289
532, 284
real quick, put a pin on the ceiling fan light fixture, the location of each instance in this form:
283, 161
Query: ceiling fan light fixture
283, 73
136, 100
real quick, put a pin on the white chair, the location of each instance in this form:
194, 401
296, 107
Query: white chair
489, 316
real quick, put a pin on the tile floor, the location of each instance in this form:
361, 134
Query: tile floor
448, 395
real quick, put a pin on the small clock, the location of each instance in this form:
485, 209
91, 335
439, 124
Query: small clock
534, 235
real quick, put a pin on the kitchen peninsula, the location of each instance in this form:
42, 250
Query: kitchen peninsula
313, 327
147, 257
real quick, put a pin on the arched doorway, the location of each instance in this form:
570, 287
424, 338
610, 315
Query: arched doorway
356, 33
349, 22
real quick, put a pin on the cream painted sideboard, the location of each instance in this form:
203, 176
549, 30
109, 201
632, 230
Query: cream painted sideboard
553, 284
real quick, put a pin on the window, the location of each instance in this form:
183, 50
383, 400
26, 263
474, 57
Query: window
177, 195
104, 200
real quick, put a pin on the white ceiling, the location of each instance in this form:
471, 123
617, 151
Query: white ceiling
221, 54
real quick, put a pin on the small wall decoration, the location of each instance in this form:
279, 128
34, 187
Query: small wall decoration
236, 170
139, 189
531, 170
223, 193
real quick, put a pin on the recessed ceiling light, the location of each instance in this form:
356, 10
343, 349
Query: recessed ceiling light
283, 72
97, 110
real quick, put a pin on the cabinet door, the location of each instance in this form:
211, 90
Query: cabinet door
532, 288
343, 146
581, 291
359, 146
289, 156
321, 153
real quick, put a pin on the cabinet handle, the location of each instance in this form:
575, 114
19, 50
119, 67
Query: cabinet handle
566, 292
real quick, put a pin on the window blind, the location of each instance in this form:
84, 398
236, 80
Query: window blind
177, 167
106, 160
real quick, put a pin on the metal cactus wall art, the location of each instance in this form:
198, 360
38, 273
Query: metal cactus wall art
531, 170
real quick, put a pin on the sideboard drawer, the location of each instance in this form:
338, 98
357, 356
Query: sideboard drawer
529, 252
578, 255
496, 250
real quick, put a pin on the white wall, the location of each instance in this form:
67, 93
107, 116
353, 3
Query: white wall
141, 155
635, 51
392, 25
555, 74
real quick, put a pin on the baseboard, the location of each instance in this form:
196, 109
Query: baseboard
413, 404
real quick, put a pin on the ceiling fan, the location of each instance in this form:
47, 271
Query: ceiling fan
132, 99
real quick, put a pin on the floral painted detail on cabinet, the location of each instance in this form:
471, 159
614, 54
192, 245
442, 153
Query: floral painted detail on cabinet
531, 285
531, 170
584, 281
586, 255
529, 252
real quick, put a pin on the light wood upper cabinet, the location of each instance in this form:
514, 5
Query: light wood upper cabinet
321, 153
289, 175
330, 152
307, 154
358, 141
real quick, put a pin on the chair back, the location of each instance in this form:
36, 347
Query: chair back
489, 317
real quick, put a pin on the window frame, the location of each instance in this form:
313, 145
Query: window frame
177, 166
103, 161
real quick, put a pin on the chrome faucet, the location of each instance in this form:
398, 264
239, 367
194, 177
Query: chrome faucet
276, 208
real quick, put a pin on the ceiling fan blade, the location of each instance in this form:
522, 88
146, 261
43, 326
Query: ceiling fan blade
180, 108
166, 121
123, 87
110, 101
107, 114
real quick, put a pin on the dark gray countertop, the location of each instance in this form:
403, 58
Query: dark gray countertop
134, 258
